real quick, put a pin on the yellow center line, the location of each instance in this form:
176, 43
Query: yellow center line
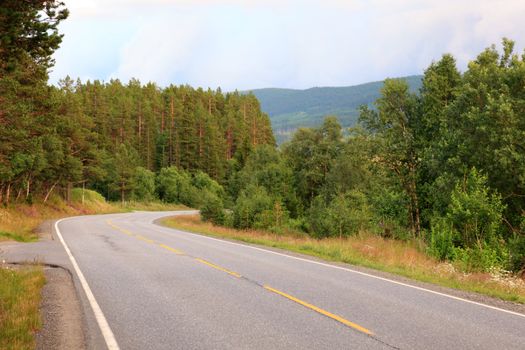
142, 238
218, 267
118, 228
321, 311
176, 251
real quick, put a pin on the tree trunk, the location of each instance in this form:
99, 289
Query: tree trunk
172, 126
7, 193
83, 192
49, 192
28, 187
68, 192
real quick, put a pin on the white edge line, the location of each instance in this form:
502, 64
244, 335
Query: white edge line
109, 338
351, 270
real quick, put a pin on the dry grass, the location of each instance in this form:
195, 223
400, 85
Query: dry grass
18, 222
19, 306
404, 258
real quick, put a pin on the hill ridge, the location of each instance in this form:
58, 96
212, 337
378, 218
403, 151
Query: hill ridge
290, 109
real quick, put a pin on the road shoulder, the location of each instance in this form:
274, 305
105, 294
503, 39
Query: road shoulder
61, 313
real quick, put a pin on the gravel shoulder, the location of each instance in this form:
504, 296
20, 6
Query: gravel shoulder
61, 313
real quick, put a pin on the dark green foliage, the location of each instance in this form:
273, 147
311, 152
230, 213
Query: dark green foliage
197, 191
312, 154
346, 214
204, 182
28, 33
517, 253
212, 209
143, 184
252, 208
470, 231
173, 186
473, 213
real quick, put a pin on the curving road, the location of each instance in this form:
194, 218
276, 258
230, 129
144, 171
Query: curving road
159, 288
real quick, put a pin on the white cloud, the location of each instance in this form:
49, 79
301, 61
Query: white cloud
247, 44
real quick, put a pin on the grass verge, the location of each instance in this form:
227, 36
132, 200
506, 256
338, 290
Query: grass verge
398, 257
19, 222
19, 306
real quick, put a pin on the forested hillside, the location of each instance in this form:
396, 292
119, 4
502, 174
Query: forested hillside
291, 109
99, 134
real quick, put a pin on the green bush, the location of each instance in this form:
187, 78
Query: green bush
203, 181
174, 186
212, 209
474, 214
517, 253
470, 231
481, 258
169, 183
318, 223
390, 208
345, 215
143, 185
249, 207
441, 241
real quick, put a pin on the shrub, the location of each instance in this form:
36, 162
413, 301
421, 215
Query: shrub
346, 214
481, 258
173, 186
469, 232
475, 214
250, 205
517, 253
441, 242
143, 185
390, 212
212, 209
203, 181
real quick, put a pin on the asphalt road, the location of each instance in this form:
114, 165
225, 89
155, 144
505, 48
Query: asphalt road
159, 288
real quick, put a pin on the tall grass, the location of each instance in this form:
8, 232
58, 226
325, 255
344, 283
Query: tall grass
406, 258
19, 307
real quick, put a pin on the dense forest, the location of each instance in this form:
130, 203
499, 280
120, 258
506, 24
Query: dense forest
444, 166
98, 134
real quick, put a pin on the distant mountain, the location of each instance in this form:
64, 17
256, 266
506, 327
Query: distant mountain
290, 109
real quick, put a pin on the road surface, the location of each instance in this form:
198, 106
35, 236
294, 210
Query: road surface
158, 288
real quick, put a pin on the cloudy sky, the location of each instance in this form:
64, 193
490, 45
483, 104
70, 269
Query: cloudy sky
245, 44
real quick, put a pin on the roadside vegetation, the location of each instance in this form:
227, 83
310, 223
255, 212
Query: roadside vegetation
440, 170
20, 222
19, 306
407, 259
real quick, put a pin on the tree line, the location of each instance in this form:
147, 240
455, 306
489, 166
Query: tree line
97, 134
444, 166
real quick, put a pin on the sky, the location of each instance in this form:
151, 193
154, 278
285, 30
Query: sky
249, 44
